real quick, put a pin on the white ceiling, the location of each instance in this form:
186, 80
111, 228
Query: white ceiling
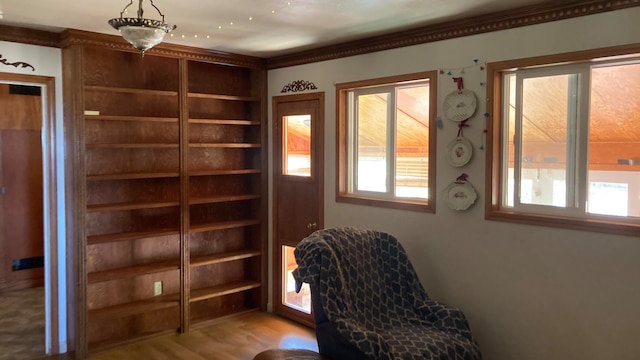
261, 28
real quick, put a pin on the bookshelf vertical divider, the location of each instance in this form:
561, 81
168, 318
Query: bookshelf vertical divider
184, 197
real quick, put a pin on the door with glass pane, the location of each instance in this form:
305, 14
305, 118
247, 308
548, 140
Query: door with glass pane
297, 193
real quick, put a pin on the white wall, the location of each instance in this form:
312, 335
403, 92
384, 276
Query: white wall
529, 292
47, 62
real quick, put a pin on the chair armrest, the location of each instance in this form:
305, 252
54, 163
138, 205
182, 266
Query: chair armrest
435, 311
374, 343
445, 317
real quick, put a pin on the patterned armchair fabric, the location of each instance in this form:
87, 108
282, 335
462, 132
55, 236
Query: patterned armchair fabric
368, 302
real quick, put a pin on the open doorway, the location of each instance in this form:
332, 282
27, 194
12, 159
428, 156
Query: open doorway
28, 218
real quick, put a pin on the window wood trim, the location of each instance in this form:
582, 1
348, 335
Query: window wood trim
342, 163
494, 171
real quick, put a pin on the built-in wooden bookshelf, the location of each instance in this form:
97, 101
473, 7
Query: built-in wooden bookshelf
170, 176
225, 154
132, 166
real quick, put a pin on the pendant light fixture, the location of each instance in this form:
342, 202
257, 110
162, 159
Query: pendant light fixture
142, 33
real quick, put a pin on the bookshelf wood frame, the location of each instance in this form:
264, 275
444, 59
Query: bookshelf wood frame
152, 201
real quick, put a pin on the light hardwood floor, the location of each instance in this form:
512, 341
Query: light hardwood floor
22, 324
238, 338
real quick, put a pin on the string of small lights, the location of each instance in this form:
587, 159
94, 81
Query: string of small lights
230, 23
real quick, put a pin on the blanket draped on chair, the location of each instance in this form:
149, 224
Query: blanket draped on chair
372, 296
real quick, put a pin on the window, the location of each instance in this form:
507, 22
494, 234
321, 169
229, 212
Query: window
300, 301
385, 146
565, 138
296, 145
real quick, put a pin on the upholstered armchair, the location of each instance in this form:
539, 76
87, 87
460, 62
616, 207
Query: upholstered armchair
368, 302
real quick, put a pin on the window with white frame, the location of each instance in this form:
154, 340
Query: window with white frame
385, 143
566, 142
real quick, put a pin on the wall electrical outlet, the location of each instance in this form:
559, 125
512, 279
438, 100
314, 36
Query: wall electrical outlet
157, 288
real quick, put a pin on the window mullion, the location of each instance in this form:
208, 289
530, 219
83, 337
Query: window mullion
391, 140
517, 145
352, 140
582, 146
572, 164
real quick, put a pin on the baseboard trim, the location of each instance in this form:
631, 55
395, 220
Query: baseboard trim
22, 284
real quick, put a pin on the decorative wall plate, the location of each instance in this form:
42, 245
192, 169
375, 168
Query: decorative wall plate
460, 105
459, 195
459, 152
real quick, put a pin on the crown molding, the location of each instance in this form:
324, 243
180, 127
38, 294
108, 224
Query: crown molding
71, 36
523, 16
29, 36
78, 37
529, 15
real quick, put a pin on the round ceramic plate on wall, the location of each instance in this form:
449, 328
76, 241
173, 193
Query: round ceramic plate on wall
459, 195
460, 105
459, 152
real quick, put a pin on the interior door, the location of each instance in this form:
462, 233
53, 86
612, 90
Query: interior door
298, 139
22, 205
21, 192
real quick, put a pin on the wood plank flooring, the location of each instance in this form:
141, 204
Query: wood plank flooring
22, 324
239, 338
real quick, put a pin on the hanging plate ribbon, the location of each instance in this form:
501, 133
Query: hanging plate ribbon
460, 195
460, 105
459, 152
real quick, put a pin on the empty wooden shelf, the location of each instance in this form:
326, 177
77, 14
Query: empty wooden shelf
169, 187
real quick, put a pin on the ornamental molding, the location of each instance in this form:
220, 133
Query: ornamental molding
17, 64
524, 16
29, 36
298, 85
78, 37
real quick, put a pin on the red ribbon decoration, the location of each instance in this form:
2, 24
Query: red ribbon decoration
458, 81
462, 178
462, 124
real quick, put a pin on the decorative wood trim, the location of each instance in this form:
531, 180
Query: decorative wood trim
29, 36
17, 64
259, 77
299, 85
20, 285
523, 16
54, 240
71, 36
75, 201
185, 226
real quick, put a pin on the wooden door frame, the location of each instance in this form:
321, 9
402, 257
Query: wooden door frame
276, 256
49, 188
